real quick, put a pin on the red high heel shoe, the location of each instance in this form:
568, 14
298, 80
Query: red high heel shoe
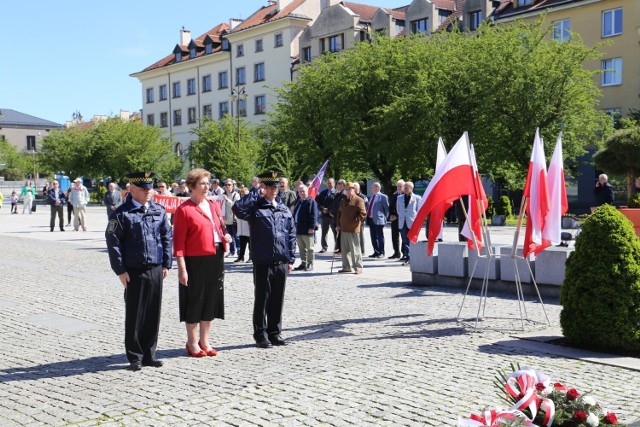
200, 353
211, 352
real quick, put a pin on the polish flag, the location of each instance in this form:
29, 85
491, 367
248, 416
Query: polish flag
315, 184
558, 204
437, 216
537, 205
454, 178
478, 204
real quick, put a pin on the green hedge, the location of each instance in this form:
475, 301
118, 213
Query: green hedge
600, 295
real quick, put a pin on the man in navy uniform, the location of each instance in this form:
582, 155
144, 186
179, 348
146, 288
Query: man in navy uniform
273, 247
139, 240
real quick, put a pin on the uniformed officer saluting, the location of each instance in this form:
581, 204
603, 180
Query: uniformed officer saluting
139, 240
273, 247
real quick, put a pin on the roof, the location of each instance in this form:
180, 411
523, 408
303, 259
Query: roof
15, 118
213, 33
455, 16
364, 11
507, 7
397, 13
267, 14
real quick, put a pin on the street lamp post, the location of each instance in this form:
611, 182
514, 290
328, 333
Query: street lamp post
238, 93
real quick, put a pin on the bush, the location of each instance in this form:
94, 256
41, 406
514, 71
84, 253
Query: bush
503, 207
491, 209
634, 202
12, 174
600, 295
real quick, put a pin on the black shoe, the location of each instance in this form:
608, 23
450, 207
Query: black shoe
153, 363
263, 343
51, 230
238, 260
309, 267
135, 366
379, 256
373, 256
301, 267
394, 256
404, 258
277, 340
323, 250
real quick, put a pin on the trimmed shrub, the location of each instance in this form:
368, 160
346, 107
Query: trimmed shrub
600, 295
503, 207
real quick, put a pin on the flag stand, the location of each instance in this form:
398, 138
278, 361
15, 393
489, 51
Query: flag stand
490, 256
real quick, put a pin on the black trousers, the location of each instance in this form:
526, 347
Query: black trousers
69, 212
59, 212
395, 237
143, 300
325, 225
245, 242
269, 281
334, 226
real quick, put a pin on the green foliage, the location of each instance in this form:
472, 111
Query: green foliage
491, 209
380, 107
621, 155
600, 295
503, 207
111, 148
15, 165
217, 150
634, 202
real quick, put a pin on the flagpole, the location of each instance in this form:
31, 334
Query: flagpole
516, 236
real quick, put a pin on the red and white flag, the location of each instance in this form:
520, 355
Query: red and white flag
437, 216
454, 178
558, 204
537, 205
314, 189
478, 204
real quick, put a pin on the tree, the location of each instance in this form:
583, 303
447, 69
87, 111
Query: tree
112, 148
218, 149
13, 165
621, 155
380, 107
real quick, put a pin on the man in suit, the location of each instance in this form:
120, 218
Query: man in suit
112, 199
407, 207
306, 218
377, 213
325, 200
393, 217
56, 199
337, 198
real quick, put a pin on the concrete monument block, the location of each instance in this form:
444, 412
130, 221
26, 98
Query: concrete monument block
507, 269
550, 265
484, 263
420, 261
452, 259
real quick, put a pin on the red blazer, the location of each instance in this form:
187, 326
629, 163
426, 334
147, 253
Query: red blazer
193, 231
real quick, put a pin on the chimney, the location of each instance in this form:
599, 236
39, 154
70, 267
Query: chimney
234, 22
185, 37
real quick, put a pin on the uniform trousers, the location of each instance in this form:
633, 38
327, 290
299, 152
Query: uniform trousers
269, 281
351, 252
59, 212
395, 237
143, 300
305, 247
325, 226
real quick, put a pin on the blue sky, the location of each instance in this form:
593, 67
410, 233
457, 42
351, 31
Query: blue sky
77, 55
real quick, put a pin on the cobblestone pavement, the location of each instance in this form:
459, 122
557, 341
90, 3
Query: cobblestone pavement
364, 350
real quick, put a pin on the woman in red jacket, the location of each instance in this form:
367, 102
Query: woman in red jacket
199, 241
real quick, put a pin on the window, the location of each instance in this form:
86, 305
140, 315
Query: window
191, 87
612, 72
242, 107
420, 26
149, 95
31, 143
561, 30
223, 107
306, 54
208, 48
225, 44
240, 50
335, 43
278, 40
443, 15
611, 22
261, 104
240, 76
177, 117
163, 92
192, 52
322, 48
475, 19
223, 80
206, 111
259, 45
258, 72
164, 120
151, 120
206, 83
524, 3
191, 115
176, 89
178, 56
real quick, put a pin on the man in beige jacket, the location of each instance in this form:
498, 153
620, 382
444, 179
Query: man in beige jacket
351, 214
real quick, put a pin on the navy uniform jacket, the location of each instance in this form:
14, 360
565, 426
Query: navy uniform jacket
136, 239
271, 229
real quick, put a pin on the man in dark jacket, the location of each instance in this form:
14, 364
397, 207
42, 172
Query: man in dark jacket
56, 198
393, 218
112, 199
306, 218
287, 196
273, 248
337, 198
603, 191
324, 201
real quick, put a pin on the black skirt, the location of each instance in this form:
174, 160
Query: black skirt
203, 299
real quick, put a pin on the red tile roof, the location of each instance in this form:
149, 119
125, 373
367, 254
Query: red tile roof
451, 19
268, 13
398, 13
364, 11
445, 4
